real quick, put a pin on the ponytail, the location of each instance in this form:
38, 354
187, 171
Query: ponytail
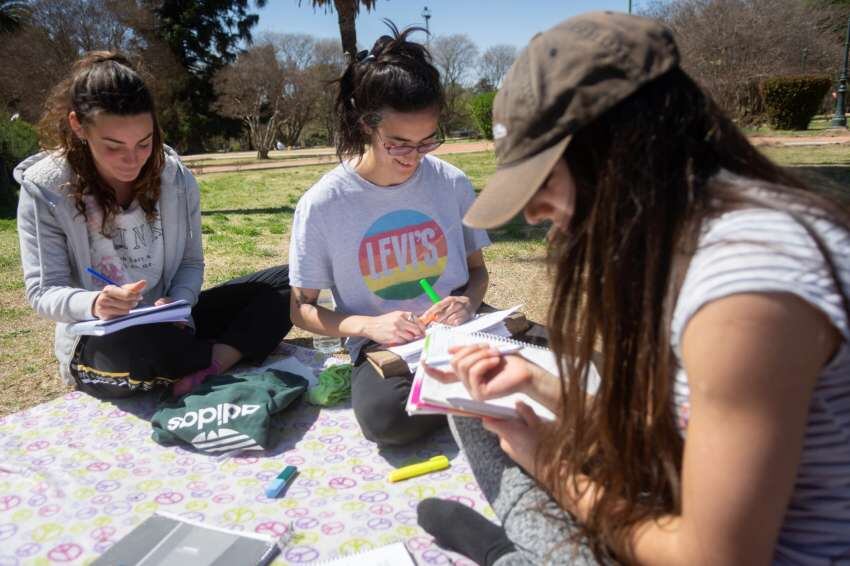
396, 74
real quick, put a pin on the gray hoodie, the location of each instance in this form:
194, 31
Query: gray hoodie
55, 244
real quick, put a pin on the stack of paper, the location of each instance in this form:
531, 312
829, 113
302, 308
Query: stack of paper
177, 311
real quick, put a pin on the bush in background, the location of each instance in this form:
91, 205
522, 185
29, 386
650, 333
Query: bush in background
791, 102
481, 108
725, 44
18, 140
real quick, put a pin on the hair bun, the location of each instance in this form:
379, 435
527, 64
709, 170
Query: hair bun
382, 44
93, 58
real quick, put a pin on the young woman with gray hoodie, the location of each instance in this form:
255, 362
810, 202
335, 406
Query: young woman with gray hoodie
109, 194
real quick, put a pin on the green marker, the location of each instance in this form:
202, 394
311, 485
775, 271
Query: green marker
432, 294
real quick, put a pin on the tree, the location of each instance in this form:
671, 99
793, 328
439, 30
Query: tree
296, 55
54, 35
204, 37
252, 89
455, 56
495, 63
180, 44
347, 11
310, 66
12, 14
329, 64
730, 45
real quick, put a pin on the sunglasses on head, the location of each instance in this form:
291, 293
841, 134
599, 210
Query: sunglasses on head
399, 150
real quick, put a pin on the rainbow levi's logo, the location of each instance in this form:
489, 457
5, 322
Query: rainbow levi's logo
398, 250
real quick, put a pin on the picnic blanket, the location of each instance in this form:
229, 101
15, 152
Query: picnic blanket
77, 474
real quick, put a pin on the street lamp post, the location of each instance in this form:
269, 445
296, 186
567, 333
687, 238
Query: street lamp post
426, 13
839, 120
630, 6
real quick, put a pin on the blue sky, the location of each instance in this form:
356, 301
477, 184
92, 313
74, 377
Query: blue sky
486, 22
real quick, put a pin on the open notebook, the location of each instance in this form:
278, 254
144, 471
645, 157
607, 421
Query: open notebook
427, 395
493, 321
177, 311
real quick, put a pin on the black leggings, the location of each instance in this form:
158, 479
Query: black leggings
250, 313
378, 404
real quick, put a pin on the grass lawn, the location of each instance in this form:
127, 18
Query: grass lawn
246, 222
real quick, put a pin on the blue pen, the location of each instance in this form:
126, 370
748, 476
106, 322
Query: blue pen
101, 276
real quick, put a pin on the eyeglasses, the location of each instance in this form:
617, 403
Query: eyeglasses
399, 150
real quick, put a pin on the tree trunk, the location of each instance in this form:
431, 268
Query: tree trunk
263, 153
347, 13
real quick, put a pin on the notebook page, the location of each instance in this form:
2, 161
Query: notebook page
177, 311
456, 396
411, 350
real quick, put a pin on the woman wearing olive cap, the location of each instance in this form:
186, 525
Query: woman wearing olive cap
714, 285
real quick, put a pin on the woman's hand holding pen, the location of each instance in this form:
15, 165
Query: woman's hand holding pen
452, 310
486, 373
114, 301
393, 328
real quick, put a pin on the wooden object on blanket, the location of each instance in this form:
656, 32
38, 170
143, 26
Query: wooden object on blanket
389, 364
386, 363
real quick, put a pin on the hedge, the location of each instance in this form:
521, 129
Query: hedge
481, 108
18, 140
792, 101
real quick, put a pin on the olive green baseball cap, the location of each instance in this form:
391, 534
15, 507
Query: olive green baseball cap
566, 78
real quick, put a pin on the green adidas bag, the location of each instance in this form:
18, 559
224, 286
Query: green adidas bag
228, 412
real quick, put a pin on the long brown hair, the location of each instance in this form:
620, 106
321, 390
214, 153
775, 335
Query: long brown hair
647, 174
101, 82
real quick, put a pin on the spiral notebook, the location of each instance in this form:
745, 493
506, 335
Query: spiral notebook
391, 555
429, 396
165, 539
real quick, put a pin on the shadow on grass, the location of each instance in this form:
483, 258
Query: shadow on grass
518, 230
838, 176
275, 210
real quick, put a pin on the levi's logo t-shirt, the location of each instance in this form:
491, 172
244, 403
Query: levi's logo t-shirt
371, 245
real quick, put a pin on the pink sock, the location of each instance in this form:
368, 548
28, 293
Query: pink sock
193, 380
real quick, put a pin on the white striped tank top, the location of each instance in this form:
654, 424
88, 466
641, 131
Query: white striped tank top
756, 250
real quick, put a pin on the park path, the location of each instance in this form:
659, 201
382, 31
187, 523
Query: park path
301, 157
321, 156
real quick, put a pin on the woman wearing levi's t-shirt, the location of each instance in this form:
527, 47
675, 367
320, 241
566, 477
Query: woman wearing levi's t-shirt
110, 195
386, 217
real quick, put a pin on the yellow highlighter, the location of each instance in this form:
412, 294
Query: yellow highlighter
435, 464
